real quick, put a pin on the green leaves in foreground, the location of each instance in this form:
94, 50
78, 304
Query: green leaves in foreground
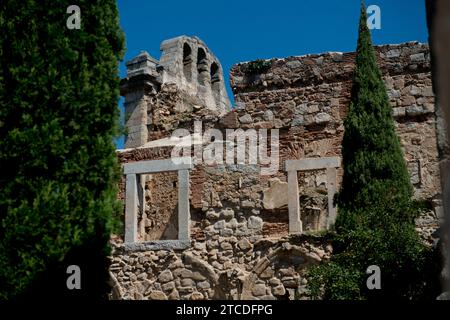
59, 90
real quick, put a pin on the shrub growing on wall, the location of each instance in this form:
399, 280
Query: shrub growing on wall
257, 67
375, 223
58, 170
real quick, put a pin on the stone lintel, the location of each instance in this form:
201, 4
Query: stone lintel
154, 166
158, 245
313, 163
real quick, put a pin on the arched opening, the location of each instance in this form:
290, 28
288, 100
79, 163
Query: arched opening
202, 66
187, 61
215, 81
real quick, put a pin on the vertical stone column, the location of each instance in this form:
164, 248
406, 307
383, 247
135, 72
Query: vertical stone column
136, 119
172, 56
131, 206
295, 223
184, 216
142, 81
331, 191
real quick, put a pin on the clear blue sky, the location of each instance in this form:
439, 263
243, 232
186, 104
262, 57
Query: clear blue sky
240, 30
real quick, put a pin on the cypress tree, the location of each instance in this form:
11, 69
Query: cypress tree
59, 91
375, 173
375, 223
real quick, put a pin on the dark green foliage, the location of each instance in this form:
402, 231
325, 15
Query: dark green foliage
257, 67
375, 223
58, 170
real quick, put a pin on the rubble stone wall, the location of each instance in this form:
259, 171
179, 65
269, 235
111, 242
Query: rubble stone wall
309, 97
219, 268
240, 242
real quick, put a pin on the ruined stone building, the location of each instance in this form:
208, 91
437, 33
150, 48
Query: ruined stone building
236, 230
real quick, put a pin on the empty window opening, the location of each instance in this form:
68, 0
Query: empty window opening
159, 219
315, 208
202, 67
215, 81
187, 61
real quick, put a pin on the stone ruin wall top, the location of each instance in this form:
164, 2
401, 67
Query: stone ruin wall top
330, 67
190, 64
187, 80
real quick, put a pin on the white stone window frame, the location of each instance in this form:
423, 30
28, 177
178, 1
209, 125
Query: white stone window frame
131, 171
306, 164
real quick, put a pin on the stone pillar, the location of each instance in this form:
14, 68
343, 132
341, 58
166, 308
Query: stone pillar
331, 191
142, 81
295, 223
184, 216
136, 119
131, 206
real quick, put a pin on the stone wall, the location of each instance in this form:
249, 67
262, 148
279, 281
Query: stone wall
219, 268
308, 96
239, 250
240, 221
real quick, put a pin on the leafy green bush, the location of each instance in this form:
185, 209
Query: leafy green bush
375, 223
257, 67
59, 91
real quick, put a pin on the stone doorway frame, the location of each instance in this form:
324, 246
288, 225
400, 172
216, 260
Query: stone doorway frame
307, 164
131, 171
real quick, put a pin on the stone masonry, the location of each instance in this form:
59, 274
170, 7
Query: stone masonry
243, 234
189, 69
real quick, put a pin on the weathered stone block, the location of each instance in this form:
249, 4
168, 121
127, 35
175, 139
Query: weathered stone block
244, 244
187, 282
393, 53
255, 222
322, 118
246, 119
169, 286
279, 290
414, 110
418, 57
219, 225
197, 296
203, 285
259, 290
158, 295
276, 196
165, 276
